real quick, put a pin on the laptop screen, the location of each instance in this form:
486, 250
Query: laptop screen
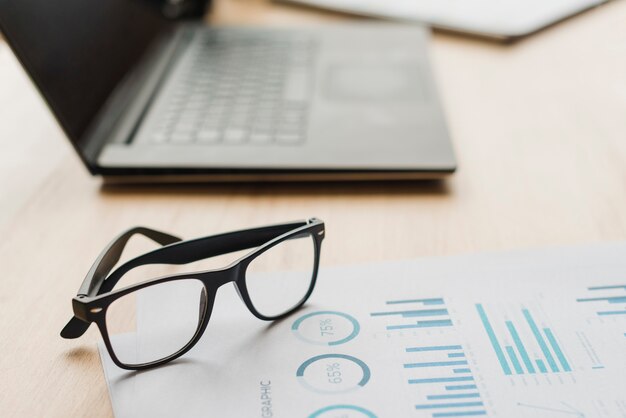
77, 51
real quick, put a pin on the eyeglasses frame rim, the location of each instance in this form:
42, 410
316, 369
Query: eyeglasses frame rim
93, 309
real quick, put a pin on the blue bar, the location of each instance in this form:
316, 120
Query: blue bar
557, 349
442, 379
453, 396
599, 367
603, 313
607, 287
407, 326
540, 340
494, 341
432, 301
459, 414
436, 364
461, 370
520, 347
434, 348
460, 387
612, 299
436, 323
542, 366
453, 355
617, 300
449, 405
516, 365
414, 313
425, 312
422, 324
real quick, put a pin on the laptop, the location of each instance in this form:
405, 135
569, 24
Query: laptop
144, 99
505, 20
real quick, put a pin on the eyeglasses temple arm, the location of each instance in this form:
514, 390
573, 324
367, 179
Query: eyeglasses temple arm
103, 265
202, 248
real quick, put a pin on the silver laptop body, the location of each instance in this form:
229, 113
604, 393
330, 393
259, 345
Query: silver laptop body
144, 99
338, 99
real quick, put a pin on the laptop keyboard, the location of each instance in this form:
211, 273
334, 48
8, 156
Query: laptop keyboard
241, 88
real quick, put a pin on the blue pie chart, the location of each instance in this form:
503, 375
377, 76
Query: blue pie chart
333, 373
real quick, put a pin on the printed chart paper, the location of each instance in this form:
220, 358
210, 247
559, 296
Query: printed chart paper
533, 334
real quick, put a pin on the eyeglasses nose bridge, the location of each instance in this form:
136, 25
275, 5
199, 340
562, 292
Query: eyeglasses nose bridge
203, 304
205, 308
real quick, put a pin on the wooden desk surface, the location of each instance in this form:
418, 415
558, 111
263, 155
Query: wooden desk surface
540, 132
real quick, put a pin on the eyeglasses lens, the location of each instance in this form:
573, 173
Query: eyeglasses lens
279, 279
155, 322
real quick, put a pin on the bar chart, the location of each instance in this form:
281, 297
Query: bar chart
523, 346
415, 314
442, 377
611, 300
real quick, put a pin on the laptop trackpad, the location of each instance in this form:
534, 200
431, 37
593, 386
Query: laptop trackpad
374, 82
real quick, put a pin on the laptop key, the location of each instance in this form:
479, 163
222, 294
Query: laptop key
181, 137
234, 136
258, 138
159, 137
208, 136
288, 139
297, 86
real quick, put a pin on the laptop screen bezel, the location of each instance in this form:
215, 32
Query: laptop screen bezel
93, 137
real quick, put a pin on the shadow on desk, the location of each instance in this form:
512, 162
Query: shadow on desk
424, 187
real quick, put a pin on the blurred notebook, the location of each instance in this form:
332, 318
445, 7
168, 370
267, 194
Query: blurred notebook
503, 19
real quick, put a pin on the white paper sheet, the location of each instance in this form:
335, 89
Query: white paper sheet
533, 334
485, 17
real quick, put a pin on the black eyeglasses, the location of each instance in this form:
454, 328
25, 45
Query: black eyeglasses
159, 320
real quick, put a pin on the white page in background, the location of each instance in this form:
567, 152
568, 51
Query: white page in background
441, 359
487, 17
